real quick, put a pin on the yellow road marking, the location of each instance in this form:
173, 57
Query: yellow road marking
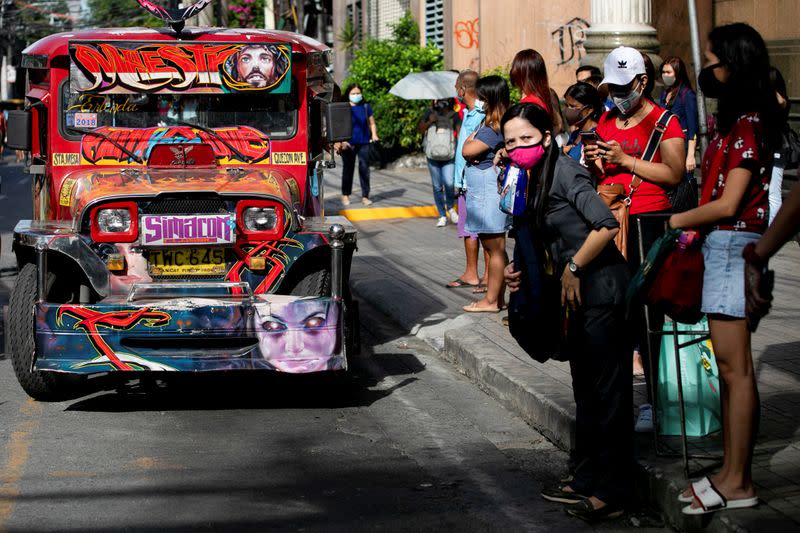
17, 449
380, 213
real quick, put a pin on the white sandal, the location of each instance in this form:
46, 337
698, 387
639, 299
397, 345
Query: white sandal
711, 501
697, 487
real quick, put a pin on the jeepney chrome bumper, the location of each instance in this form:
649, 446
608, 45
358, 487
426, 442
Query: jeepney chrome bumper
189, 334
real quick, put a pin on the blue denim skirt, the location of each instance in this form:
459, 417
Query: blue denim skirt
723, 281
483, 202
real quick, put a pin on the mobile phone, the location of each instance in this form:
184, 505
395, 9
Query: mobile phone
589, 137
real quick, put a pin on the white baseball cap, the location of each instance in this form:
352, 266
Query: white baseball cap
622, 65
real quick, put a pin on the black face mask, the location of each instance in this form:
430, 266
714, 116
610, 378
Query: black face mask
709, 84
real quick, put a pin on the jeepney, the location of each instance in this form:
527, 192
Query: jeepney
178, 221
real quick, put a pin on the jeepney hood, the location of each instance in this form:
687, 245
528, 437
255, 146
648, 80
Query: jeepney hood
83, 188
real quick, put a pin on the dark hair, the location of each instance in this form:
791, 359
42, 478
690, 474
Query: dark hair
681, 73
346, 92
742, 50
493, 90
529, 74
586, 94
595, 72
650, 70
779, 84
539, 119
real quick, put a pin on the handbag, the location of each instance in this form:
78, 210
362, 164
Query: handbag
677, 289
614, 194
684, 195
619, 203
790, 148
536, 318
700, 381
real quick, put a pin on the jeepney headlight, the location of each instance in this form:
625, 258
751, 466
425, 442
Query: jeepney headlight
114, 220
260, 218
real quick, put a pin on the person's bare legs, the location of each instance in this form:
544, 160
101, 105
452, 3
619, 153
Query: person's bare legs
471, 248
731, 340
495, 247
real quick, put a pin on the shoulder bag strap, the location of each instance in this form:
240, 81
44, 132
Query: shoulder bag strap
652, 145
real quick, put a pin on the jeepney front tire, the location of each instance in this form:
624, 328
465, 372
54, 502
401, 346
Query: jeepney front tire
41, 386
312, 283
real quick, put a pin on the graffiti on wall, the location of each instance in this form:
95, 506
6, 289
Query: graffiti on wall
570, 37
105, 148
467, 33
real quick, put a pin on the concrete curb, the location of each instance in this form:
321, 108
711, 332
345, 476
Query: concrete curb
511, 386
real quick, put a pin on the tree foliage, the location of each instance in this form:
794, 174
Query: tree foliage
503, 72
246, 13
378, 65
120, 14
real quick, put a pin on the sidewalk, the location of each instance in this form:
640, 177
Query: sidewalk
401, 268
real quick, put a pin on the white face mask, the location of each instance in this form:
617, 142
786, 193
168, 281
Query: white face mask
479, 105
668, 80
627, 103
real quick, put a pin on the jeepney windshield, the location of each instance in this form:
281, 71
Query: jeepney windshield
272, 114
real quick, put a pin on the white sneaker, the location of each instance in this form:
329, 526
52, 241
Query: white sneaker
345, 200
442, 222
453, 216
366, 201
644, 424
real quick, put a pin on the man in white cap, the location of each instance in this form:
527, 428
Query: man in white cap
615, 157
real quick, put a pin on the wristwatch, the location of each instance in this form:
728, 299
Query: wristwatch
573, 267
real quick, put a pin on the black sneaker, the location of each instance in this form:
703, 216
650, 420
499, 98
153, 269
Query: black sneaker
557, 494
584, 510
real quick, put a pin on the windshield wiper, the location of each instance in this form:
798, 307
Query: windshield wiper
237, 153
109, 139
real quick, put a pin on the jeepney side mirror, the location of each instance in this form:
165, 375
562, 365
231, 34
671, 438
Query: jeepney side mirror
19, 130
338, 124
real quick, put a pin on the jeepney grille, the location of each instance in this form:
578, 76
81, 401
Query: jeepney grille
185, 206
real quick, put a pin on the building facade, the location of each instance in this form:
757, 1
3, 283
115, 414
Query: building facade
483, 35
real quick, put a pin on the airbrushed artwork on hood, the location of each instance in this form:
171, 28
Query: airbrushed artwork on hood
231, 145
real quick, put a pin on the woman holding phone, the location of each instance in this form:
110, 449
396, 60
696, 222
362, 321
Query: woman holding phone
616, 158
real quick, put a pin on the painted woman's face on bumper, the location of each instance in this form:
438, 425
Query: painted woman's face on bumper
298, 336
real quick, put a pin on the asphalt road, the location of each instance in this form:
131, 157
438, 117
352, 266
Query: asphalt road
403, 444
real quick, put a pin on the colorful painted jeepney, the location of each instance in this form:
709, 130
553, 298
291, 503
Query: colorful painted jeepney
178, 219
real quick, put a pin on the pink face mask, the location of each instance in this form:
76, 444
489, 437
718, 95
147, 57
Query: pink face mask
527, 157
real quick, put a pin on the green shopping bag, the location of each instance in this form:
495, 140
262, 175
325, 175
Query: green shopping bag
700, 376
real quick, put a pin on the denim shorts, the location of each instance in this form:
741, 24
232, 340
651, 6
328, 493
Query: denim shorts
483, 202
723, 281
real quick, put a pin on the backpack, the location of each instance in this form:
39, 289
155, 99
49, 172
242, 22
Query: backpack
440, 144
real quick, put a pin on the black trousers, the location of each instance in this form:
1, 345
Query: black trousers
652, 228
601, 367
348, 169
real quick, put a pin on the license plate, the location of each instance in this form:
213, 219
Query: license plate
188, 262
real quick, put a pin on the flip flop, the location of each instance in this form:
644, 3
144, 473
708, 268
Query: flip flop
711, 500
473, 308
696, 487
480, 289
460, 284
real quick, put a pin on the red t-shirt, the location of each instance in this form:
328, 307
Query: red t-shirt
533, 99
649, 197
742, 147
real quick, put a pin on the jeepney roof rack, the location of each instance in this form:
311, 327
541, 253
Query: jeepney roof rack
176, 18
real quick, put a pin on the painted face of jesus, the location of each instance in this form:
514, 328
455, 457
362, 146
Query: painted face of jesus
255, 65
299, 336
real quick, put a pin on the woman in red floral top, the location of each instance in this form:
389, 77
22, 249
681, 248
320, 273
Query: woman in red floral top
733, 211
